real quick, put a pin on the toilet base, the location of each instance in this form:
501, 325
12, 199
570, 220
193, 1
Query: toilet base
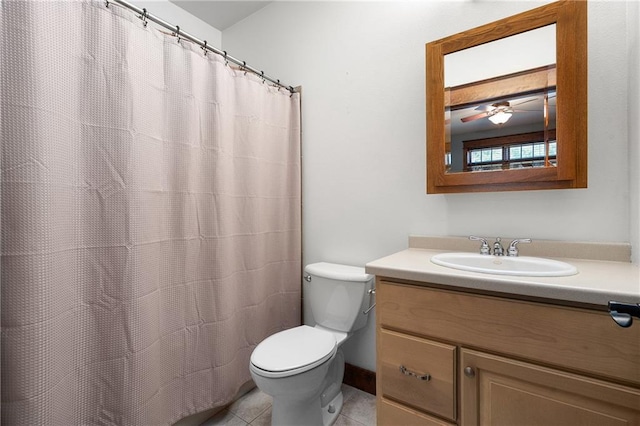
331, 411
293, 413
285, 413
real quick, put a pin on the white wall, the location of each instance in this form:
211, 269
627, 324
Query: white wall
175, 15
361, 66
633, 20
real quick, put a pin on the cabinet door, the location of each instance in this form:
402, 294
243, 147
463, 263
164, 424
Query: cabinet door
501, 391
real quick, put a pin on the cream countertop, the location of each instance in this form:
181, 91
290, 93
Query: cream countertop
597, 281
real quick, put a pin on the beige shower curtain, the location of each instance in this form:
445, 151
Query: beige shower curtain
150, 218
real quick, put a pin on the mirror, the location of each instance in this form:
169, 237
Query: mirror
500, 114
506, 104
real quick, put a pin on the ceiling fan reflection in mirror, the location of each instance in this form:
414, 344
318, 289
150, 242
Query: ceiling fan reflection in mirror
522, 111
497, 113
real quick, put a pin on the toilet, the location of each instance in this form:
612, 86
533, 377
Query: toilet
302, 368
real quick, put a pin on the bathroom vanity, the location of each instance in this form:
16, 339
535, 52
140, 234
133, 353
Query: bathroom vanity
456, 347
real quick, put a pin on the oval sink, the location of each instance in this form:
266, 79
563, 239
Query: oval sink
504, 265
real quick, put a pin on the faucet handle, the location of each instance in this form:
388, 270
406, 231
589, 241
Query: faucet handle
498, 250
484, 248
513, 249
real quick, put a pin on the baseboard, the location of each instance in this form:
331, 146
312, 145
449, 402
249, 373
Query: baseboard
360, 378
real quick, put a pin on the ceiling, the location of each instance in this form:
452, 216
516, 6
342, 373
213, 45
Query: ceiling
220, 14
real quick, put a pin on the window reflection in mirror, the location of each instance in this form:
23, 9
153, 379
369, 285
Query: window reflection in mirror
500, 109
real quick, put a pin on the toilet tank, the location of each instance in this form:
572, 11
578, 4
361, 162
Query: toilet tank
338, 295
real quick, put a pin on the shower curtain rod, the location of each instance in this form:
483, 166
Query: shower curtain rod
144, 15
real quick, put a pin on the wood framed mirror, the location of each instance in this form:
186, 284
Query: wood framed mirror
550, 153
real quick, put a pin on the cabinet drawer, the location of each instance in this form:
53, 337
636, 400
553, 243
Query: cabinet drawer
419, 357
390, 413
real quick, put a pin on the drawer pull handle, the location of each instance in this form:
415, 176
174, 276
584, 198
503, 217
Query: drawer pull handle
425, 377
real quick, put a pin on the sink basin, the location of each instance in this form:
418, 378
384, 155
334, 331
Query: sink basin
504, 265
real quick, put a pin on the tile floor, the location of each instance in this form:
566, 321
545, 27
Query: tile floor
254, 408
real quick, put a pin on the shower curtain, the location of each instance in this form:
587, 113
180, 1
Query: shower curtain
150, 221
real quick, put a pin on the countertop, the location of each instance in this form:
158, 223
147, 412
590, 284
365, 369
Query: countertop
597, 281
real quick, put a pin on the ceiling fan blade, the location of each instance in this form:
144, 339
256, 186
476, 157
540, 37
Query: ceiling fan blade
485, 108
474, 117
524, 102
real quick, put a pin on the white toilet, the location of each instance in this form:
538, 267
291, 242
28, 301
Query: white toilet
302, 367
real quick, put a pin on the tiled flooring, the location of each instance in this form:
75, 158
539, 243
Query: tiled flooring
254, 408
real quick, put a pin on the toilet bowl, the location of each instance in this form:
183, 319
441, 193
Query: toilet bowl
302, 368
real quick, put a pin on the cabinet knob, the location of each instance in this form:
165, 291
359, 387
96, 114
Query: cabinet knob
469, 372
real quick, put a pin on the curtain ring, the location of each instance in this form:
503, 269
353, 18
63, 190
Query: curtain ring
177, 33
106, 3
226, 61
262, 76
244, 67
144, 17
204, 47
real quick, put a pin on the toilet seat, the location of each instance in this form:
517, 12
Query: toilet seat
293, 351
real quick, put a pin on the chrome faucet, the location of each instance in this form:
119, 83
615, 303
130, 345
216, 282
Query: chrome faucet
498, 250
513, 249
484, 248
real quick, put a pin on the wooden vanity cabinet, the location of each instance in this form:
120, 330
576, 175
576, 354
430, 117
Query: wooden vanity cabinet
500, 361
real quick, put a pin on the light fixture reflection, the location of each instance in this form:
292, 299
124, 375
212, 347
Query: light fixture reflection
500, 117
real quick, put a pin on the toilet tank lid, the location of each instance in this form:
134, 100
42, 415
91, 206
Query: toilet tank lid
335, 271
